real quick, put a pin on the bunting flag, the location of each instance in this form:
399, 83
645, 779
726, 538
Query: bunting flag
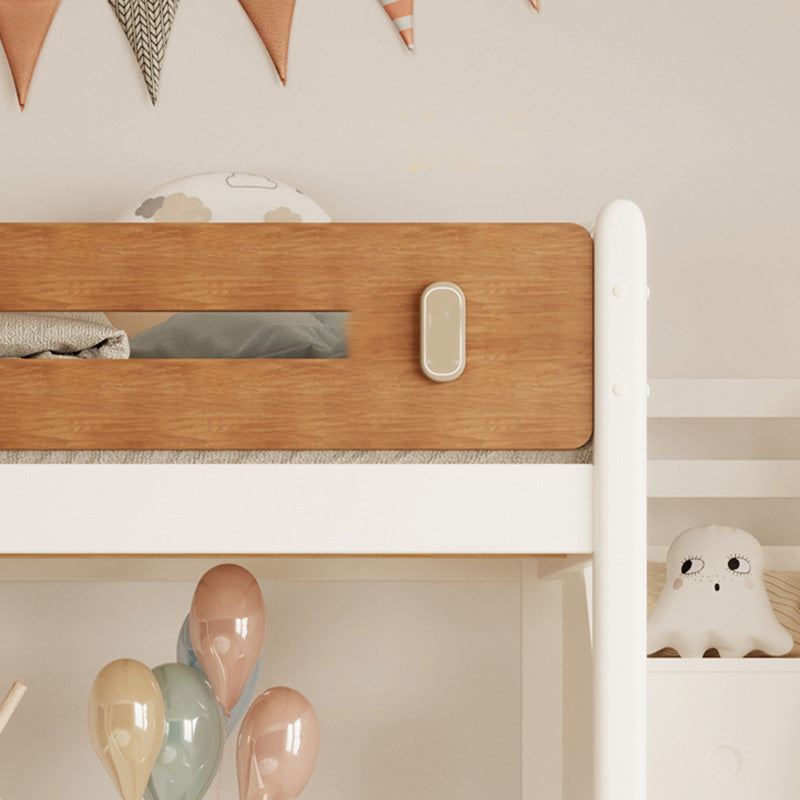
273, 21
401, 12
23, 28
535, 4
147, 24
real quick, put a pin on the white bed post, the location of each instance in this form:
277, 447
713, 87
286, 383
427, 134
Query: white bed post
620, 503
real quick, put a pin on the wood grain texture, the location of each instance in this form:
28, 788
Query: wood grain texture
527, 383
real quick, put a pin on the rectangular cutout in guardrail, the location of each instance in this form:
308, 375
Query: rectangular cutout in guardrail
182, 334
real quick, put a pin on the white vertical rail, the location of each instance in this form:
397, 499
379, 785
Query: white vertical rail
542, 714
620, 503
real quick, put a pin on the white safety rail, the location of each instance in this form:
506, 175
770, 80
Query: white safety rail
724, 399
723, 478
620, 460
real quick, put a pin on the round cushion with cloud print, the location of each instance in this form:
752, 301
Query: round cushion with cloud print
214, 197
714, 598
225, 197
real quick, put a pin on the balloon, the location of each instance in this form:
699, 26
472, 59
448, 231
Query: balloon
186, 655
192, 748
126, 724
226, 624
277, 747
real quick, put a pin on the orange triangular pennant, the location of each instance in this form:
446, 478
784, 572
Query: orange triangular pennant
273, 21
401, 12
23, 29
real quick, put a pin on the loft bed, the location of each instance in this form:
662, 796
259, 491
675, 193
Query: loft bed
555, 355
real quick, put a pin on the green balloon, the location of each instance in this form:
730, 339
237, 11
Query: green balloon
194, 737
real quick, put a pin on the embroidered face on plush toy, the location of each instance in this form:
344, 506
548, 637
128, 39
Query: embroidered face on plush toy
714, 597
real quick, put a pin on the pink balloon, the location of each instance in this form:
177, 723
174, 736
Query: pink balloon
277, 747
227, 625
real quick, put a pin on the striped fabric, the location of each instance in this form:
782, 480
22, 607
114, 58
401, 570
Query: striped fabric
401, 12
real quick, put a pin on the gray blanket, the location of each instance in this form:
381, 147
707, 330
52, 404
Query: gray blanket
245, 334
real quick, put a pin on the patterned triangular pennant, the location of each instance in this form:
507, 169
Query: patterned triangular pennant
147, 24
535, 4
273, 21
23, 28
401, 12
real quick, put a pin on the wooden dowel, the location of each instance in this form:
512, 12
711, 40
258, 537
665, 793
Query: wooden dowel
9, 705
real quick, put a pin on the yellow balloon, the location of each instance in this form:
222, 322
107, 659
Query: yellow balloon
126, 724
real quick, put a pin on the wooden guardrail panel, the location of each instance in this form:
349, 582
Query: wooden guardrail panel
527, 383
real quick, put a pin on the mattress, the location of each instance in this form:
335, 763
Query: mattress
581, 455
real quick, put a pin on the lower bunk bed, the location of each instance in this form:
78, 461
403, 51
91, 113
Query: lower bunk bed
532, 371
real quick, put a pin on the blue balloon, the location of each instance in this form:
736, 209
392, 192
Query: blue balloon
186, 655
194, 738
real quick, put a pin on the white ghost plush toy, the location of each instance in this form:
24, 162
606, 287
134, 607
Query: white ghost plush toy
714, 597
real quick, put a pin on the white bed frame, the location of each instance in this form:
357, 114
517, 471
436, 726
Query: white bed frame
595, 513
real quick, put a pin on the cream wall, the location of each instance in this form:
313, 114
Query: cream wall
500, 115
